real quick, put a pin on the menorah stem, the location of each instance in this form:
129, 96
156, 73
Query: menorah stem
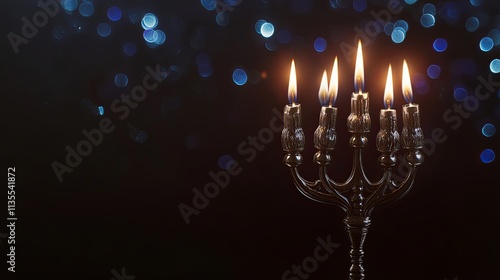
357, 228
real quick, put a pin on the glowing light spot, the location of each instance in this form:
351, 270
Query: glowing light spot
388, 28
427, 20
486, 44
130, 49
476, 3
58, 32
401, 23
103, 29
487, 156
240, 77
429, 9
434, 71
222, 18
258, 25
69, 5
209, 4
173, 73
271, 46
398, 35
472, 24
114, 13
121, 80
495, 66
359, 5
440, 45
225, 162
204, 65
134, 16
284, 36
232, 3
267, 30
420, 84
488, 130
320, 44
460, 93
150, 35
450, 12
149, 21
86, 9
100, 110
410, 2
162, 37
495, 35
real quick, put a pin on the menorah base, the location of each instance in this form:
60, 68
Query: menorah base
357, 228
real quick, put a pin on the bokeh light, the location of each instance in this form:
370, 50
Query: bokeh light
150, 35
494, 34
487, 156
427, 20
488, 130
401, 23
398, 35
388, 28
410, 2
476, 2
258, 25
225, 161
240, 77
434, 71
204, 65
114, 13
359, 5
460, 93
58, 32
495, 66
149, 21
472, 24
320, 44
103, 29
162, 37
86, 9
130, 49
222, 19
209, 4
429, 9
121, 80
284, 36
267, 29
450, 12
420, 84
440, 45
486, 44
69, 5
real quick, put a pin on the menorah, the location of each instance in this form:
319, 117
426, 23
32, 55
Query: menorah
358, 195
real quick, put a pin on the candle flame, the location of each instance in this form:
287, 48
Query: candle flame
334, 83
292, 85
359, 74
389, 90
323, 90
407, 91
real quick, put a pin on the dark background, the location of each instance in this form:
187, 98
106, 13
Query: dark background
120, 207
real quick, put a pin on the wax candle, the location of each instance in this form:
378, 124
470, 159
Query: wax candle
325, 135
388, 136
359, 119
292, 136
412, 134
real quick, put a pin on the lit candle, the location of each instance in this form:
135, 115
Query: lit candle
359, 119
325, 135
412, 136
388, 136
292, 136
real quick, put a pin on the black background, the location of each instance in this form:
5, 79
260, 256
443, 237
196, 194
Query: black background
120, 207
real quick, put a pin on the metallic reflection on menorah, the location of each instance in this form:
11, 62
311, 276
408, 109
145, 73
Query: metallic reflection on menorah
358, 195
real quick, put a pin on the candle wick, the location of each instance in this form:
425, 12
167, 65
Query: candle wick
388, 103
